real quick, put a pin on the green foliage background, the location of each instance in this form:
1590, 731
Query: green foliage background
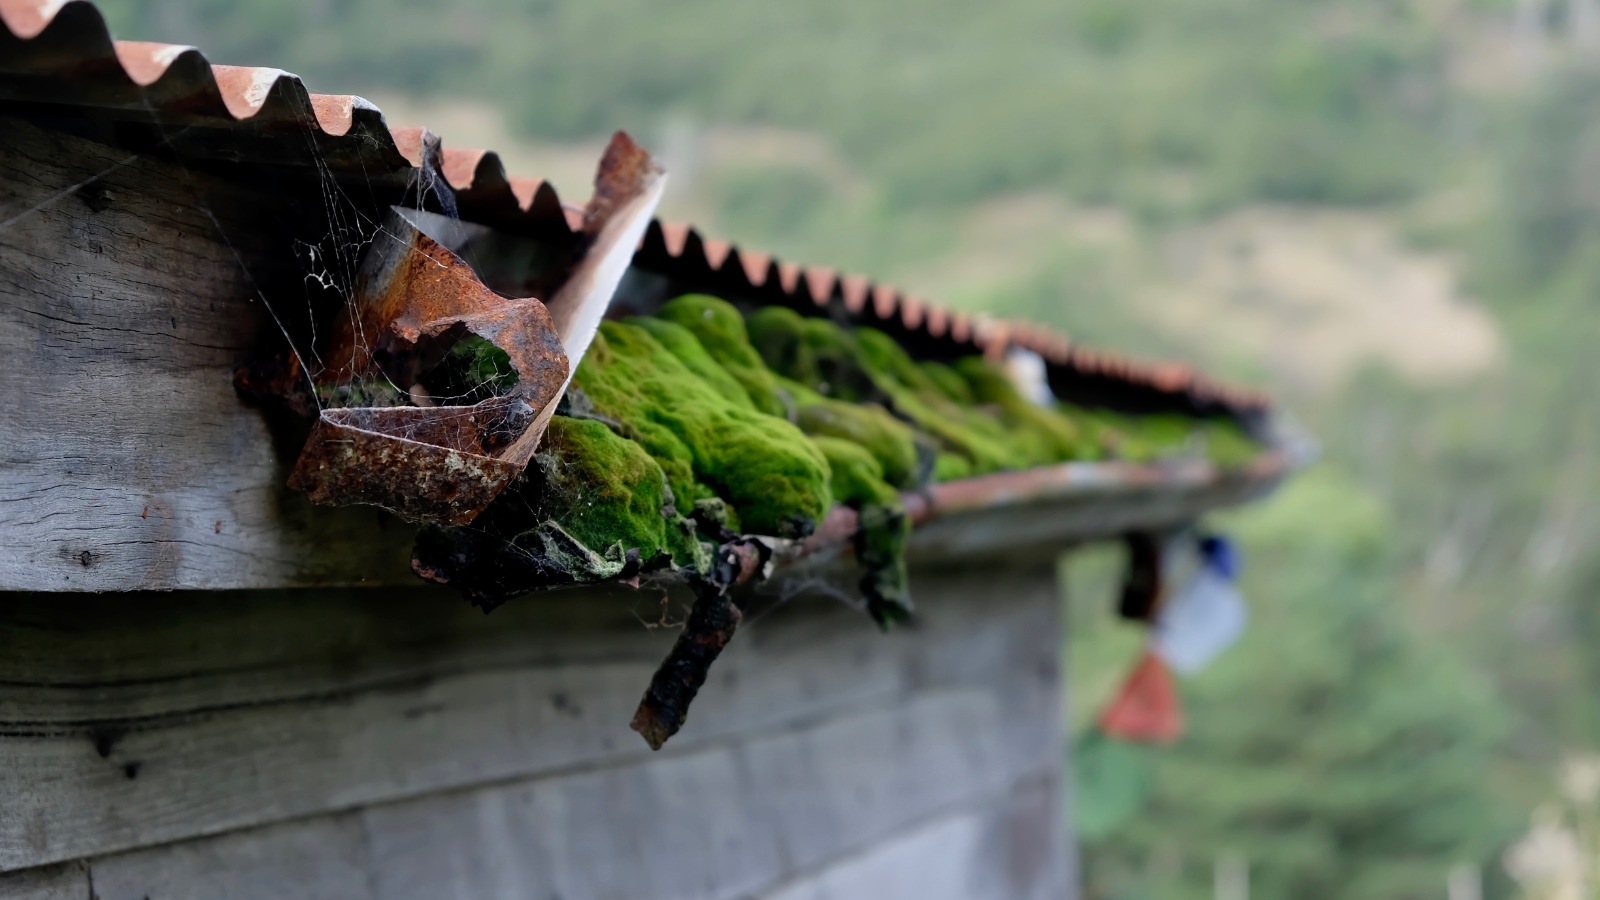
1395, 708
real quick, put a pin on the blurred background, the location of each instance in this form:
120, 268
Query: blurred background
1386, 211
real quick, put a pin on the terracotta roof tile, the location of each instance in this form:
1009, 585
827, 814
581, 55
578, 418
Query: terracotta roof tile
757, 267
461, 167
855, 290
676, 235
820, 282
177, 84
884, 299
146, 62
524, 189
912, 311
717, 253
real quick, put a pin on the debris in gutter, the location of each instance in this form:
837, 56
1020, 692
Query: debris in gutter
415, 301
662, 460
433, 392
711, 624
696, 444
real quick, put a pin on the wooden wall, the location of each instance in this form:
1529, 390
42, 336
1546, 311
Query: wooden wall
127, 460
388, 743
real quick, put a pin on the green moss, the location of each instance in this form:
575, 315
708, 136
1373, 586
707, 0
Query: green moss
1228, 446
949, 383
1046, 435
820, 356
715, 515
682, 343
774, 478
880, 542
984, 442
1112, 434
1152, 437
813, 351
857, 476
1166, 433
888, 359
890, 441
607, 492
798, 393
721, 331
951, 467
472, 371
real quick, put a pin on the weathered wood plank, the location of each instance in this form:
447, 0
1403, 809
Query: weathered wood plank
1005, 850
317, 859
127, 461
708, 825
123, 730
67, 881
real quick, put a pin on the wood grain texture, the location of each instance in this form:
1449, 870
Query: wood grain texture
710, 824
127, 461
182, 716
67, 881
697, 825
319, 859
994, 849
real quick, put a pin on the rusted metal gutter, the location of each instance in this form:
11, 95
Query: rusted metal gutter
415, 297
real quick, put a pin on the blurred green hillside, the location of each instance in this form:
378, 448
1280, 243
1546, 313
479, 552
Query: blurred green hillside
1387, 211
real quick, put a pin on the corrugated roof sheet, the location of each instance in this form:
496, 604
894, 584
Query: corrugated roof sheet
1076, 372
59, 57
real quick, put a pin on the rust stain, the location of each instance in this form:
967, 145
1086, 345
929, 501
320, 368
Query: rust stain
414, 298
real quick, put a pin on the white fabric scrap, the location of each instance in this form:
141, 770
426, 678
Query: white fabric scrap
1199, 622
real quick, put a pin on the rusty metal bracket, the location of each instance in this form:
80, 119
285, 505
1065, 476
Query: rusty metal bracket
427, 463
414, 298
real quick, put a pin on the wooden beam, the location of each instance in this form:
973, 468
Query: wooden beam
132, 721
127, 460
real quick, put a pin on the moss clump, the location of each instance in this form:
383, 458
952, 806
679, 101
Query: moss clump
682, 343
891, 442
880, 541
1228, 446
592, 506
857, 477
721, 331
473, 370
1047, 435
949, 383
796, 393
814, 352
889, 360
773, 477
609, 494
1166, 435
951, 467
823, 358
1111, 434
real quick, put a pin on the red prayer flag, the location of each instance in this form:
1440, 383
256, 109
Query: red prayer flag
1146, 710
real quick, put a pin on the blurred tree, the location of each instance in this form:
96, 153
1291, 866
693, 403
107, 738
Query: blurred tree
1339, 751
942, 101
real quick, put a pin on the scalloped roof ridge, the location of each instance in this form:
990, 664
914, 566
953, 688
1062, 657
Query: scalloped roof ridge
177, 84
